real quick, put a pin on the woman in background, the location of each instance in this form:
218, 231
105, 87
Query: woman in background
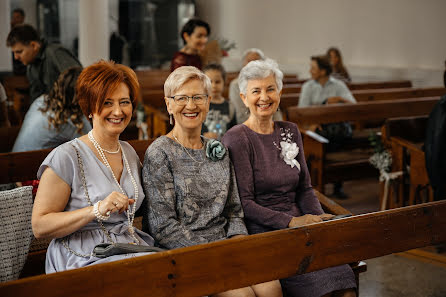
195, 36
339, 70
54, 118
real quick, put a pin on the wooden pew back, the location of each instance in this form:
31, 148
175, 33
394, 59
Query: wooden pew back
223, 265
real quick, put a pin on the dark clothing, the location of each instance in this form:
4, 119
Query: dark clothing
17, 67
272, 193
50, 62
220, 118
182, 59
435, 147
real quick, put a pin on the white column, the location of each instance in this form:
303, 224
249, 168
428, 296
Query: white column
94, 32
5, 52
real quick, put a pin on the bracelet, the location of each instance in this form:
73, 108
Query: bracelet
98, 215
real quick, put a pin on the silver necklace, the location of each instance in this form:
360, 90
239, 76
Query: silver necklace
184, 149
130, 214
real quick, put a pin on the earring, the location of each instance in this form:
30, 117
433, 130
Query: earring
90, 116
247, 110
170, 119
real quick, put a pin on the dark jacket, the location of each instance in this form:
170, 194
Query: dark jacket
435, 149
50, 62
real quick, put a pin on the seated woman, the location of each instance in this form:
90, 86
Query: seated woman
339, 70
189, 180
54, 118
273, 179
90, 187
195, 36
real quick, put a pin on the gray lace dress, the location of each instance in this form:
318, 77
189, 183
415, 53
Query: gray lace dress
100, 183
189, 202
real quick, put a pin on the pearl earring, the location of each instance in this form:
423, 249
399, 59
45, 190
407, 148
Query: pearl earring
90, 116
170, 119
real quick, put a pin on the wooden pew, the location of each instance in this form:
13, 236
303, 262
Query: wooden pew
405, 138
292, 99
228, 264
353, 162
296, 88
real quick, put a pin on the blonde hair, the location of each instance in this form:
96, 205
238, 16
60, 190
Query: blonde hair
181, 76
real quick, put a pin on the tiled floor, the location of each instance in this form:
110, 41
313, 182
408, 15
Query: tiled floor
391, 275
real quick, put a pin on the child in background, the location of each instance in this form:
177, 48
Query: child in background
221, 115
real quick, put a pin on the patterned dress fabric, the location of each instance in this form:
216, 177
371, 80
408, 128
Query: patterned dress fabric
100, 183
189, 202
272, 192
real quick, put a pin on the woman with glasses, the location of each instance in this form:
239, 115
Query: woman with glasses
189, 182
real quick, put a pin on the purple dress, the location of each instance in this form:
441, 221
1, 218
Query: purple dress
273, 192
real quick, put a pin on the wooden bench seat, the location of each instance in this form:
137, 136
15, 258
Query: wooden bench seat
228, 264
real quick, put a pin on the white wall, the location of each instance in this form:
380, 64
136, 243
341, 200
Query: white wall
5, 52
379, 39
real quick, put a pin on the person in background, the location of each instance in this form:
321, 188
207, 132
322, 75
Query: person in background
221, 115
195, 35
273, 179
338, 69
323, 89
4, 118
79, 206
54, 118
17, 18
45, 62
189, 180
242, 113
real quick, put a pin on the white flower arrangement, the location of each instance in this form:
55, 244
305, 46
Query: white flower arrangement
289, 150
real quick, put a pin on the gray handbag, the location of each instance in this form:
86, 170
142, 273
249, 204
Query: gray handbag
104, 250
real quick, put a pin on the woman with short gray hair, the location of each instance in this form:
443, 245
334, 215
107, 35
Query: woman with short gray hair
273, 179
189, 180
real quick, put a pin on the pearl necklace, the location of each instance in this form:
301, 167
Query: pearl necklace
130, 214
199, 162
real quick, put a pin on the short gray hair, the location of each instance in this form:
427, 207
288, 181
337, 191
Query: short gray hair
259, 69
254, 50
181, 76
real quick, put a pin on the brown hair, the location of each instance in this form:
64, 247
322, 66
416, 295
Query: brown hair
339, 68
62, 101
22, 33
101, 79
323, 63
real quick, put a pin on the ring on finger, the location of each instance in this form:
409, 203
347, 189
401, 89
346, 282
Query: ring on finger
115, 203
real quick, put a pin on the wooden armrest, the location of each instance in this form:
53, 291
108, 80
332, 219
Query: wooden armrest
329, 205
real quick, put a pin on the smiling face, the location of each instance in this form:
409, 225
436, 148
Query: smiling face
198, 39
116, 112
217, 83
262, 97
25, 53
190, 116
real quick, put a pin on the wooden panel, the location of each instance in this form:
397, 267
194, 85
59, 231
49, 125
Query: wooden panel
380, 85
400, 93
228, 264
362, 111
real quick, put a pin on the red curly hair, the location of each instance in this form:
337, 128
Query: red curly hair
99, 80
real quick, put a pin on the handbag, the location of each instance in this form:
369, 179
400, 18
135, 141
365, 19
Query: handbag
104, 250
107, 249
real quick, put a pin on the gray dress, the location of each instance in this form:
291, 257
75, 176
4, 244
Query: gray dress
100, 183
189, 203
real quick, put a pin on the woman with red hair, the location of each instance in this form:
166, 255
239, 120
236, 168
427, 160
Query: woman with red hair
90, 187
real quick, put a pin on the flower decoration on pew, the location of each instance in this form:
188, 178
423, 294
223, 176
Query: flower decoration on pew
289, 150
215, 150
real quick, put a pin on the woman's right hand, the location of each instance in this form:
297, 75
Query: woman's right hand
304, 220
115, 202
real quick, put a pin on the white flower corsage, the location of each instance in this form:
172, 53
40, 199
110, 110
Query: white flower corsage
289, 150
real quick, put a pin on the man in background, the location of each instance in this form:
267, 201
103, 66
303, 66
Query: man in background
44, 61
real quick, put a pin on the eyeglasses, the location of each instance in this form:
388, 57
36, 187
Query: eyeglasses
182, 100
